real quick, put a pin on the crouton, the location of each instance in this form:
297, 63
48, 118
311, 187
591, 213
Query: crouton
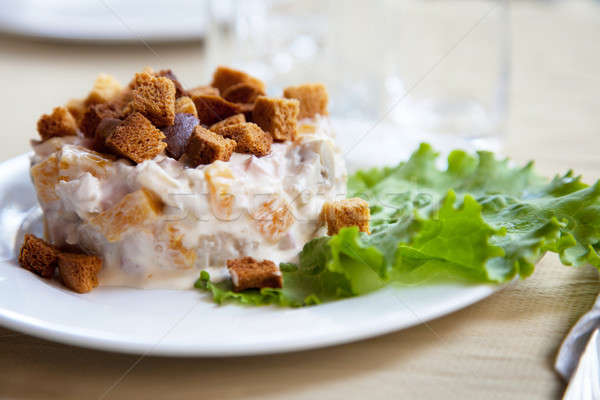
249, 138
212, 109
178, 134
167, 73
79, 272
233, 120
105, 128
59, 123
137, 139
154, 97
185, 105
312, 96
94, 115
279, 117
205, 147
131, 212
348, 212
225, 77
243, 92
202, 90
38, 256
105, 88
248, 273
77, 108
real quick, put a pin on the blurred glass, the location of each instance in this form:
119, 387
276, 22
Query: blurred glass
428, 66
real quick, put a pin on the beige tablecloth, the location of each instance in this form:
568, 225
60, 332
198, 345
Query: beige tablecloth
502, 347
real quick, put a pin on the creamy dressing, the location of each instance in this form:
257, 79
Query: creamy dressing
266, 208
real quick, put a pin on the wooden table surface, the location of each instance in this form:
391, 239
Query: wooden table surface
502, 347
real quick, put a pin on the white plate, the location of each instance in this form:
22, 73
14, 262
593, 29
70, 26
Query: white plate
187, 323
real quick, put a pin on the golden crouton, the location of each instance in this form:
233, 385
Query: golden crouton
205, 147
131, 212
202, 90
185, 105
348, 212
225, 77
38, 256
154, 97
249, 138
312, 96
233, 120
248, 273
59, 123
106, 87
167, 73
279, 117
137, 139
79, 272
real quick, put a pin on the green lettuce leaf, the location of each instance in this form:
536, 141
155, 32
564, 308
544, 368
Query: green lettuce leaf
480, 219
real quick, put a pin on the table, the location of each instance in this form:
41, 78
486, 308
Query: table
502, 347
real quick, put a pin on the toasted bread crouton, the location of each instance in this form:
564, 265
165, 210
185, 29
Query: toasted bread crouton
131, 212
278, 117
249, 138
79, 272
137, 139
167, 73
38, 256
105, 128
105, 88
248, 273
203, 90
185, 105
225, 77
77, 108
212, 109
178, 134
94, 115
347, 212
59, 123
313, 99
243, 92
233, 120
206, 147
154, 97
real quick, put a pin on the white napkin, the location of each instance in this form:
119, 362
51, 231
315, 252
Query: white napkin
576, 341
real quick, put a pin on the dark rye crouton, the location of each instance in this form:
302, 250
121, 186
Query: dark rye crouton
249, 138
79, 272
247, 273
38, 256
59, 123
313, 99
205, 147
347, 212
178, 134
154, 97
137, 139
233, 120
225, 77
105, 128
243, 92
279, 117
185, 105
94, 115
212, 109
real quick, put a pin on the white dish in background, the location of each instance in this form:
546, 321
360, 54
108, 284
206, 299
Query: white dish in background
187, 323
106, 20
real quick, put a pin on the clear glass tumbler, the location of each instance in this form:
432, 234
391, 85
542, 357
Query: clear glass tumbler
427, 67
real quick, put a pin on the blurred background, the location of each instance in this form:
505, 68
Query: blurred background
471, 74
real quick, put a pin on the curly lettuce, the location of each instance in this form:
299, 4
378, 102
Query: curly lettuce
479, 220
